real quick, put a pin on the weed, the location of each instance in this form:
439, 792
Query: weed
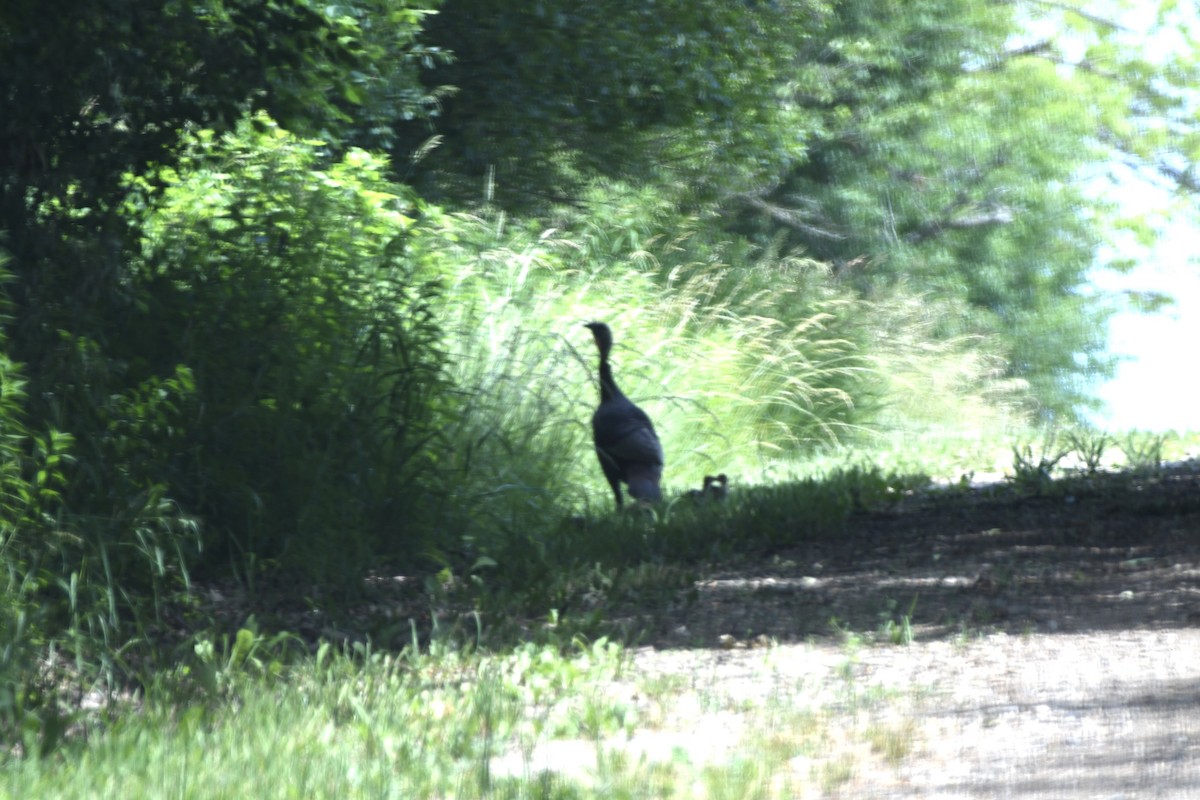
249, 653
897, 630
1089, 446
1033, 467
893, 742
1144, 451
835, 773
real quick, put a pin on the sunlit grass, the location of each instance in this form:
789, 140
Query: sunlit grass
336, 726
538, 721
757, 369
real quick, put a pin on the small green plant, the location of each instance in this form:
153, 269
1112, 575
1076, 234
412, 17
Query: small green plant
1144, 451
214, 667
1089, 446
898, 630
893, 742
1033, 467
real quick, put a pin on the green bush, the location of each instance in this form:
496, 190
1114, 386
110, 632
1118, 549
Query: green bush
32, 547
283, 283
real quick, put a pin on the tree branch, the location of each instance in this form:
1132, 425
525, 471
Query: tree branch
1185, 178
1095, 19
790, 217
995, 215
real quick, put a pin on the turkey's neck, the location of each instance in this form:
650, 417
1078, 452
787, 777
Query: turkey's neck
608, 387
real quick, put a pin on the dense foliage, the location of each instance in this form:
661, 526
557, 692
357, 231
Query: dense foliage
290, 289
296, 287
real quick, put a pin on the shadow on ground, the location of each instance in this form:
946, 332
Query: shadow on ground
1108, 552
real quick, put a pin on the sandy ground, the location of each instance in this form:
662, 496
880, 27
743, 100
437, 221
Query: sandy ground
1097, 715
1053, 651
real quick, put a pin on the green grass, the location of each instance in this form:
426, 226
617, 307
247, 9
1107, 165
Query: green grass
456, 723
367, 725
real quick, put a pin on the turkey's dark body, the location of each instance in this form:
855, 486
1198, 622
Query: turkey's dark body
626, 443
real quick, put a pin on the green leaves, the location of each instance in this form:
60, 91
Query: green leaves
551, 93
283, 280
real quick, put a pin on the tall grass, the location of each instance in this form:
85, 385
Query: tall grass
749, 363
728, 379
945, 403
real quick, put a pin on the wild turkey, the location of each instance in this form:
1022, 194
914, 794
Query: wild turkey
626, 444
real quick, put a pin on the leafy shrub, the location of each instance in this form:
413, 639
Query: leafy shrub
32, 545
281, 282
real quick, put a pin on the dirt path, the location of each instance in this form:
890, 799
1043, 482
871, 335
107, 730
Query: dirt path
1053, 646
1114, 554
991, 642
1098, 715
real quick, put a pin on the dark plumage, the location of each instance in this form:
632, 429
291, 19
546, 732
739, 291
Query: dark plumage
626, 444
716, 487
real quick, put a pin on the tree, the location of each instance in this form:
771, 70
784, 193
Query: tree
548, 95
939, 144
949, 162
94, 91
1139, 64
97, 99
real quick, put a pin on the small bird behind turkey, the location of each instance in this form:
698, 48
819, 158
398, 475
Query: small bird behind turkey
716, 488
626, 444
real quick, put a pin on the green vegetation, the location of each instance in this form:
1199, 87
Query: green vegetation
536, 722
292, 304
